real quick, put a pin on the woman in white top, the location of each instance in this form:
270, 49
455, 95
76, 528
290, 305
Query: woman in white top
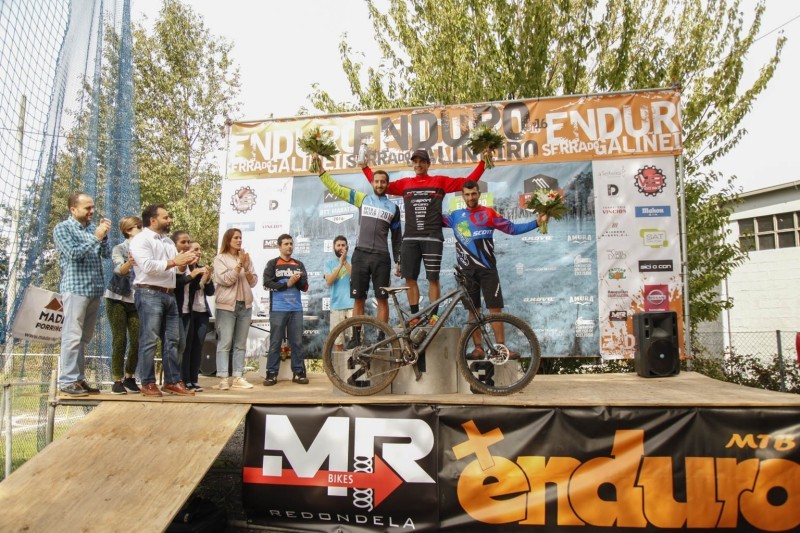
235, 278
122, 316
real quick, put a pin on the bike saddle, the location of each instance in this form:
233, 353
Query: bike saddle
394, 289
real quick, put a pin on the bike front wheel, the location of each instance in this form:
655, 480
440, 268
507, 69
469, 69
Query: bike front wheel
367, 364
499, 355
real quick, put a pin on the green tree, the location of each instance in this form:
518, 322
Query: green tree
186, 86
460, 51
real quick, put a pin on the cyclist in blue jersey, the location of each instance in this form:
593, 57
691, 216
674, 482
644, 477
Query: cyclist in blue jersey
473, 228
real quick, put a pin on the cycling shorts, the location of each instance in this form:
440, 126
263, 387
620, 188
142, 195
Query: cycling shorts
487, 282
366, 267
413, 252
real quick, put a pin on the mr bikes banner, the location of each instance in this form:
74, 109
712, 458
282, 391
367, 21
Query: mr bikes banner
617, 252
431, 468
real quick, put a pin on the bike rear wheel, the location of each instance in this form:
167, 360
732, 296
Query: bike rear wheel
361, 368
507, 366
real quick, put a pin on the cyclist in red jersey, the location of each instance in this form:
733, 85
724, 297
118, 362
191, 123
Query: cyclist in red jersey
423, 240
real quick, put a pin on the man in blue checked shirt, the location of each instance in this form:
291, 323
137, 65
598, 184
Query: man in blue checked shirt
81, 246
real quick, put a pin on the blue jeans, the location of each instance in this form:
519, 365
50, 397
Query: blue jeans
80, 318
287, 324
232, 329
158, 318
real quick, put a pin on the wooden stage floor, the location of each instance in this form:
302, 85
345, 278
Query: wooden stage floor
102, 464
687, 389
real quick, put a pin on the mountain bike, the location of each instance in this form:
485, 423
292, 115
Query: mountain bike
497, 354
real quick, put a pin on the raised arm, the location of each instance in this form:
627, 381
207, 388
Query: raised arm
395, 188
367, 173
347, 194
456, 184
476, 174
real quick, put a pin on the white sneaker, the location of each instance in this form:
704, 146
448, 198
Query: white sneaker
241, 383
224, 384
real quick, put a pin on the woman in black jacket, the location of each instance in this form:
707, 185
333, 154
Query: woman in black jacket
195, 314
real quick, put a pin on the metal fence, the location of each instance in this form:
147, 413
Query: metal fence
753, 343
764, 359
30, 420
30, 417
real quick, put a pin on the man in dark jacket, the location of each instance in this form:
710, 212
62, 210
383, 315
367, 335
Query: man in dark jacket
285, 277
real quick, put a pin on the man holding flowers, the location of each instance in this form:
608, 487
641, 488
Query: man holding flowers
473, 228
379, 217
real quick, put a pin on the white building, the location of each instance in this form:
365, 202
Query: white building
766, 288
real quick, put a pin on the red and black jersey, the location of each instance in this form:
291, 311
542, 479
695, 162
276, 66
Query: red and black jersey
422, 200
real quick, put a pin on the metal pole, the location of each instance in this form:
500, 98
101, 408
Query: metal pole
51, 408
3, 410
7, 418
11, 292
781, 369
728, 327
13, 258
687, 337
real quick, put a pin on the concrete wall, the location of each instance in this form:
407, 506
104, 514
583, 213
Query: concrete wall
766, 288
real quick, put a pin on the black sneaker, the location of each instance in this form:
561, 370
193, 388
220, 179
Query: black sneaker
195, 387
73, 390
118, 388
272, 379
355, 340
88, 388
300, 377
131, 386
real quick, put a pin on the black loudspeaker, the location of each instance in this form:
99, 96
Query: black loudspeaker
657, 349
208, 353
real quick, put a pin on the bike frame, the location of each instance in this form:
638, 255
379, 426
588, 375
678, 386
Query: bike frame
463, 296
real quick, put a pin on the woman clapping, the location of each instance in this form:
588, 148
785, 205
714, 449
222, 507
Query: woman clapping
234, 277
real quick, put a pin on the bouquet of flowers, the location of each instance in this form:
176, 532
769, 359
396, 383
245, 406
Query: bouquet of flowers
484, 137
547, 202
315, 143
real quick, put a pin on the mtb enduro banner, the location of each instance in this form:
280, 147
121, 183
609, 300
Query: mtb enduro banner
570, 128
617, 252
416, 468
